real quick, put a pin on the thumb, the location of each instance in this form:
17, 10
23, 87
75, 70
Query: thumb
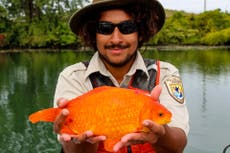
62, 102
155, 93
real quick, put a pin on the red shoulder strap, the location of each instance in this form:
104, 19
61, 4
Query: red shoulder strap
158, 72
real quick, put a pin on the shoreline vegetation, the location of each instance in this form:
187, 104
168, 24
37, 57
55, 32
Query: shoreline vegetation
46, 28
158, 48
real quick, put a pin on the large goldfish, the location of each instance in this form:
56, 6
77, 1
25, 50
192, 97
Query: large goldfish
109, 111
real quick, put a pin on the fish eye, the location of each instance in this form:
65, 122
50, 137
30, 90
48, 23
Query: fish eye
161, 114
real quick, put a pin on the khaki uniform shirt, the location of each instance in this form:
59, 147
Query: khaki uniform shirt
74, 81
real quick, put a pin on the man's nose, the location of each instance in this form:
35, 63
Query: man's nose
116, 36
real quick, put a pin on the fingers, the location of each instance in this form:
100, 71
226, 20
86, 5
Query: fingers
64, 137
128, 140
87, 136
77, 139
58, 123
155, 128
96, 139
156, 131
155, 93
119, 145
62, 102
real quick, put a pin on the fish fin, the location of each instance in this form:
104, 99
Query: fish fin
145, 129
140, 128
94, 91
101, 88
45, 115
137, 90
66, 129
109, 144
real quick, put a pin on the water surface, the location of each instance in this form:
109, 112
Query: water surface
27, 84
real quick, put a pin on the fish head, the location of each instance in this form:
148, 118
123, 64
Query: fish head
156, 112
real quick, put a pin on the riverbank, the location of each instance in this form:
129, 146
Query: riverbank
160, 48
188, 47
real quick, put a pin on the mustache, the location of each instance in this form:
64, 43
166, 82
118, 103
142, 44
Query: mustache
117, 46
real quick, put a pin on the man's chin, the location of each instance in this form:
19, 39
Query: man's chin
117, 64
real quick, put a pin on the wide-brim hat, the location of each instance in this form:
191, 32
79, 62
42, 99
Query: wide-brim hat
78, 19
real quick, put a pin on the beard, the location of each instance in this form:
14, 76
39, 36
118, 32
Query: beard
129, 57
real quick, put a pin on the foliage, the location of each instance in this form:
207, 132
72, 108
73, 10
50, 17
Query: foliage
38, 23
4, 22
221, 37
188, 29
212, 21
44, 24
178, 30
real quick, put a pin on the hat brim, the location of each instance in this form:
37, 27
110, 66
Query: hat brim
80, 16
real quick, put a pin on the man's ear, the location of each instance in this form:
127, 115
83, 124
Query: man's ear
140, 38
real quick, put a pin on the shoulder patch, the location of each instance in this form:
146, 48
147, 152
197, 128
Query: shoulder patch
175, 88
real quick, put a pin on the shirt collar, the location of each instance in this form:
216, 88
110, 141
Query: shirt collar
138, 64
96, 65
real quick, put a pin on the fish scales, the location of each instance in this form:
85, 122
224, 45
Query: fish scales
109, 111
106, 115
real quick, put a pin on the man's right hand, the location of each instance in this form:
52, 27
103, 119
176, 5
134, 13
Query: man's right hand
59, 121
85, 142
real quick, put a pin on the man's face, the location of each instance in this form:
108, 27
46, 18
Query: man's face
116, 48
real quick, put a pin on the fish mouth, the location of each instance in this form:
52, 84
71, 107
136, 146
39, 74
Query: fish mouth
164, 121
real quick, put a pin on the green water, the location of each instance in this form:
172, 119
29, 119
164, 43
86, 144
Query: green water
27, 84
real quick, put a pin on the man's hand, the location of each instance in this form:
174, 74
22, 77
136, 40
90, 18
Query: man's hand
84, 142
152, 136
155, 93
156, 130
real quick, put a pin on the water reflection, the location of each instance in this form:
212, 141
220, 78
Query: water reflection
204, 93
28, 81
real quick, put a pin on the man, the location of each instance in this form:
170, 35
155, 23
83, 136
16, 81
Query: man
116, 29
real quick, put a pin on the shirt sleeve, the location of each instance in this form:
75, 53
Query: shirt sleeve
71, 83
172, 96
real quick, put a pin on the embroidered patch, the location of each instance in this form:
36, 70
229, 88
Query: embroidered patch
175, 88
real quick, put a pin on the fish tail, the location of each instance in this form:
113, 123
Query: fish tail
45, 115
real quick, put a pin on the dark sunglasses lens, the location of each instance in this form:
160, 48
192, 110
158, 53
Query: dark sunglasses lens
105, 28
127, 27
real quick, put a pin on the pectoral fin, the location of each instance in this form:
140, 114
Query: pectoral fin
109, 144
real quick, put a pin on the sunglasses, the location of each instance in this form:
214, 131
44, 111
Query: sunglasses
125, 27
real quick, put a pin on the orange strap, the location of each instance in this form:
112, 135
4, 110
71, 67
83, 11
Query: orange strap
158, 72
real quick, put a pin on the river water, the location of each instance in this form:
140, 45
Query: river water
28, 79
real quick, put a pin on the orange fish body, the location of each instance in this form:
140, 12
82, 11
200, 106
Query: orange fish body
109, 111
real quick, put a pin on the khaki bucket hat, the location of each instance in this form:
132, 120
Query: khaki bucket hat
78, 19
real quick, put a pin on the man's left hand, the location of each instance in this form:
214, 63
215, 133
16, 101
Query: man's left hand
156, 131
